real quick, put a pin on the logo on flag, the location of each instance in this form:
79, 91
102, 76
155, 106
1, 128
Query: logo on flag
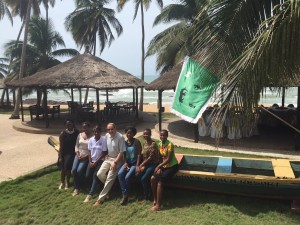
194, 88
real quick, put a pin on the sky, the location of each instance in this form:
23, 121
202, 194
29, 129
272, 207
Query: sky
124, 52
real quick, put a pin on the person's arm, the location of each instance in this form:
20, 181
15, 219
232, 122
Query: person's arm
61, 142
77, 147
139, 151
139, 155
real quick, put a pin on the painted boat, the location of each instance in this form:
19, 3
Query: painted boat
267, 178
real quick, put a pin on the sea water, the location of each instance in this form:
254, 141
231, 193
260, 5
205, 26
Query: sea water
151, 97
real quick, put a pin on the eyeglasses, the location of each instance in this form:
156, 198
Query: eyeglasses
110, 129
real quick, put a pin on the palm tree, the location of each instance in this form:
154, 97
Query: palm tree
46, 5
41, 49
5, 11
255, 45
140, 4
173, 44
3, 67
91, 19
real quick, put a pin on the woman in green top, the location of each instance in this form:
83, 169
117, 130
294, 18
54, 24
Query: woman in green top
165, 170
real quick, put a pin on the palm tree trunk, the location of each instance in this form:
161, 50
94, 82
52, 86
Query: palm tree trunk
141, 108
15, 113
87, 89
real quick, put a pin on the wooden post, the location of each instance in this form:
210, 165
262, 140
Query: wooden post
72, 95
45, 107
283, 97
297, 136
136, 103
160, 109
98, 107
21, 101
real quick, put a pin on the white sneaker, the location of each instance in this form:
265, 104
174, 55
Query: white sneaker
76, 192
66, 187
61, 186
88, 198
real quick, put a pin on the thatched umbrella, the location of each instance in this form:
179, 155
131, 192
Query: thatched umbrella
5, 92
167, 81
82, 71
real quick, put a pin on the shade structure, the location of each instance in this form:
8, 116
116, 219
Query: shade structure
167, 80
2, 85
82, 71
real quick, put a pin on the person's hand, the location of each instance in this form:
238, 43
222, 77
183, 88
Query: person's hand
137, 169
113, 166
126, 166
156, 169
159, 171
60, 159
142, 168
92, 164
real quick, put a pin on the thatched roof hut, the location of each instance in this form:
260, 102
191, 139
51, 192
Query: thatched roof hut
166, 81
82, 71
2, 85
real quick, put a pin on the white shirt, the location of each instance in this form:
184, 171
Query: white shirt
115, 144
97, 147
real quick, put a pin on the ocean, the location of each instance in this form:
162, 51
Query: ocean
151, 97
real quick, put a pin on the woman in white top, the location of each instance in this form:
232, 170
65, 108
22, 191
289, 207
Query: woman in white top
81, 159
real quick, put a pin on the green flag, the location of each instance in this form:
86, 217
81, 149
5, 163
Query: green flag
194, 89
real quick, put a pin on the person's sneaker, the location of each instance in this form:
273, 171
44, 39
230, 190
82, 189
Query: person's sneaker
124, 201
61, 186
98, 203
88, 198
66, 187
76, 192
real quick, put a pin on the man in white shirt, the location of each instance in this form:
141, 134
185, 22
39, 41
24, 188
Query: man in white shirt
114, 159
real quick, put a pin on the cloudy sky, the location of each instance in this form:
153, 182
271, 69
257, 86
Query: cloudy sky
124, 52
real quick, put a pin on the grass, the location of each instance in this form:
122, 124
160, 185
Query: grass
35, 199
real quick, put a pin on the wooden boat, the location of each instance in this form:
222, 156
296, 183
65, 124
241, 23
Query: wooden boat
53, 142
267, 178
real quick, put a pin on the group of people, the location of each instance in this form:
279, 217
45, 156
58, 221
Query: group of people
85, 154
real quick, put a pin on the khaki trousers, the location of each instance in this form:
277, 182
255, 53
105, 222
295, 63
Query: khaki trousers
107, 176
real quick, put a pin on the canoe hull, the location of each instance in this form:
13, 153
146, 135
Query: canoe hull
232, 186
239, 176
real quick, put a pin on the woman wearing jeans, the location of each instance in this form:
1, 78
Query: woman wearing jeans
132, 157
145, 169
81, 158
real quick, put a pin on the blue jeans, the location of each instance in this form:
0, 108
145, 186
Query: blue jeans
125, 177
144, 178
78, 171
93, 172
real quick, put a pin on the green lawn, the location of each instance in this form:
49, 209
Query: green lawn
35, 199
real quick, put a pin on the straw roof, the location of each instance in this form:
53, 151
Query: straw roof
85, 71
166, 81
2, 85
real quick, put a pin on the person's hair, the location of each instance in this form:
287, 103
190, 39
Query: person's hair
148, 130
132, 129
69, 120
86, 123
112, 124
165, 131
97, 128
